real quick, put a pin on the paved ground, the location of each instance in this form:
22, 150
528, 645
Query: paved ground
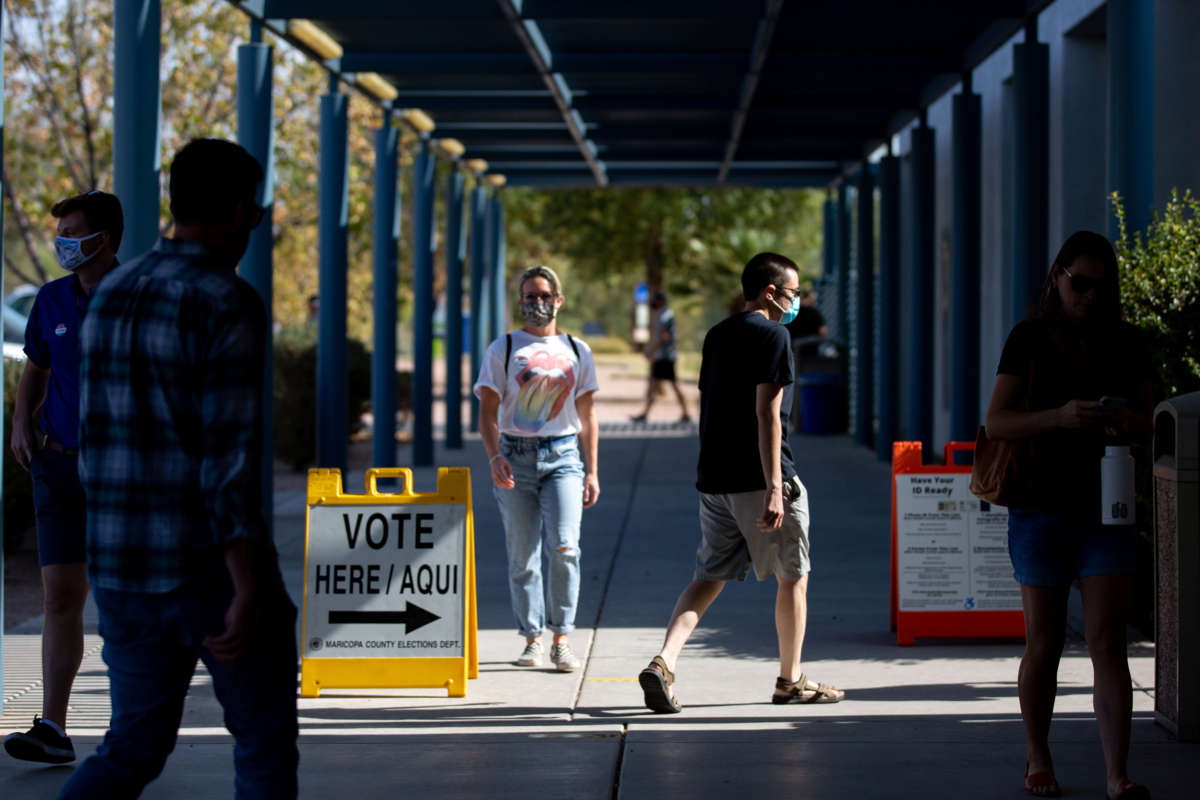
938, 719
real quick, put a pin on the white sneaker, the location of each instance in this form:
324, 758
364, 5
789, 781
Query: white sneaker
533, 655
563, 658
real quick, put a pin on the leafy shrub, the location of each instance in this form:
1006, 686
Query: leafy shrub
1160, 290
18, 488
295, 393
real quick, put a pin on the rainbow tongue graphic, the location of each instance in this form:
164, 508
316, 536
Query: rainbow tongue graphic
545, 383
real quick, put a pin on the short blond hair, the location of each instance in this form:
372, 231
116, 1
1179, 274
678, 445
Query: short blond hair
540, 271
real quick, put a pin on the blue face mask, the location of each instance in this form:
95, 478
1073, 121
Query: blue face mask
70, 251
790, 312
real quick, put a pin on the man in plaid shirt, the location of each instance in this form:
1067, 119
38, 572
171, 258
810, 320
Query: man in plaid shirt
179, 557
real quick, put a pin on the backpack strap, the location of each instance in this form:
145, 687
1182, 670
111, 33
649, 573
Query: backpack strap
575, 347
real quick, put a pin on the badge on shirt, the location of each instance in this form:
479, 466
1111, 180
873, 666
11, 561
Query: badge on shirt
61, 330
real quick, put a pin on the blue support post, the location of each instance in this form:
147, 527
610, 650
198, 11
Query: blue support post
828, 237
385, 252
255, 125
966, 249
332, 234
1131, 111
480, 291
889, 307
136, 111
1031, 165
842, 225
496, 262
864, 331
455, 252
921, 291
423, 219
2, 294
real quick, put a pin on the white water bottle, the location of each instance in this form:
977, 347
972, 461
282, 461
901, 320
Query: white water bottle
1118, 505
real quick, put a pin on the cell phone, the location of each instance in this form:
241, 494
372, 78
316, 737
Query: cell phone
1113, 403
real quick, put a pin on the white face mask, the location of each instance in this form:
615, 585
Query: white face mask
70, 251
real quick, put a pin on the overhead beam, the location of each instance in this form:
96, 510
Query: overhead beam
531, 39
478, 10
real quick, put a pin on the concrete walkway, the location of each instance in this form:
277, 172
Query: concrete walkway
935, 720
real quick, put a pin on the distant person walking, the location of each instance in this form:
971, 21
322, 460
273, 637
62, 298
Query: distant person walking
753, 507
538, 424
662, 352
90, 227
1056, 366
181, 563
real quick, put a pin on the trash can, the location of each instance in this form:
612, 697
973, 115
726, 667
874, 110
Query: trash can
1177, 566
820, 402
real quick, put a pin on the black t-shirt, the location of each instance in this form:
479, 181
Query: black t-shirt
740, 353
808, 322
1069, 366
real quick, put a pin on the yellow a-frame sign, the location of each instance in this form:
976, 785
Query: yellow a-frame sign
389, 585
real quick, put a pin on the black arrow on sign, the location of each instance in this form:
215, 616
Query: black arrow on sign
412, 617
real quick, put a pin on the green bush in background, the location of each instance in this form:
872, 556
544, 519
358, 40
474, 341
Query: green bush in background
1160, 290
295, 393
18, 489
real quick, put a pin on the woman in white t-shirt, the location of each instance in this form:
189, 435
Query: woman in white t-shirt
538, 424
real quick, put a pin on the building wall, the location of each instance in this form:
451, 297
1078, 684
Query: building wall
1176, 88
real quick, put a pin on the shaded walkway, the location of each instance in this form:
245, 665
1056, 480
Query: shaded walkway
935, 719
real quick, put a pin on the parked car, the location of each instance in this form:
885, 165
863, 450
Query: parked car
17, 306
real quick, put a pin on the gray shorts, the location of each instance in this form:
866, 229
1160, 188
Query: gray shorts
730, 540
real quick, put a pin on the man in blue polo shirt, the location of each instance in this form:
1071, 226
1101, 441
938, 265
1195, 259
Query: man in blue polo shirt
89, 233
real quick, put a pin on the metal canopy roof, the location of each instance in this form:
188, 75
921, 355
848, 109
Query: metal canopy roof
741, 92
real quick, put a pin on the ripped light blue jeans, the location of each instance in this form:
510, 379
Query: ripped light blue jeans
541, 526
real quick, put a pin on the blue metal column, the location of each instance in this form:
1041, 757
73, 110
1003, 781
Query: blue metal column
423, 219
2, 294
842, 225
480, 290
864, 330
496, 264
828, 237
964, 305
889, 307
385, 251
1131, 111
456, 244
255, 125
1031, 169
921, 291
332, 234
136, 111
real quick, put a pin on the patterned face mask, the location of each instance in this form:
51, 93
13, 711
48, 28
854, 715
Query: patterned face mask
70, 251
538, 312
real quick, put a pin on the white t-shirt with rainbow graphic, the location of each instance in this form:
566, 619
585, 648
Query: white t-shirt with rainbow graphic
544, 379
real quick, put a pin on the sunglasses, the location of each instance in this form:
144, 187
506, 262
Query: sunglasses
545, 297
1082, 284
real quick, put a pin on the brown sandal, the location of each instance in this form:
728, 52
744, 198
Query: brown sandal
656, 682
795, 692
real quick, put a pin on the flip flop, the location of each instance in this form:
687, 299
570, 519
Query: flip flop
656, 681
795, 692
1132, 791
1042, 784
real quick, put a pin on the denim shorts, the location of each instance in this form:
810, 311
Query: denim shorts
58, 503
1052, 551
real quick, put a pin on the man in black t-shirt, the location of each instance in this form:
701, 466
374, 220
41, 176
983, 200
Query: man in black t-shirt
753, 507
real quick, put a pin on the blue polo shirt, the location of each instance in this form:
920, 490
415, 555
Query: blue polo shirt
52, 342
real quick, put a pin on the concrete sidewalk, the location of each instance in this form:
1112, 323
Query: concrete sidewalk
936, 720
